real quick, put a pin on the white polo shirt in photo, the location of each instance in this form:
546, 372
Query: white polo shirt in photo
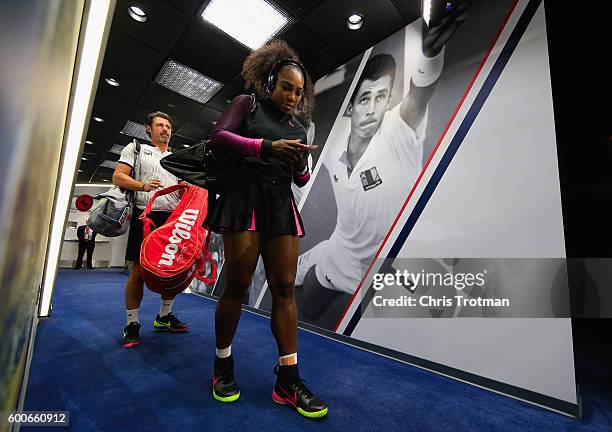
369, 199
150, 169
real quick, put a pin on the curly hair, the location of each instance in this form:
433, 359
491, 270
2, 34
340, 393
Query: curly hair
257, 66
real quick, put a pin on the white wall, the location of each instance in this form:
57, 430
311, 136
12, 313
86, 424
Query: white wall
109, 251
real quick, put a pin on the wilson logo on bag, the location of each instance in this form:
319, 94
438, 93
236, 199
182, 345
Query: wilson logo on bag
173, 254
180, 232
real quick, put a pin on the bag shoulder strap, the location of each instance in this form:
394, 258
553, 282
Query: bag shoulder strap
130, 195
137, 160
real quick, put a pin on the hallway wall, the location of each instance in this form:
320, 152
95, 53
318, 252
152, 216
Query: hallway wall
40, 38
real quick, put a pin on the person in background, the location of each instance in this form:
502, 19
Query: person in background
87, 242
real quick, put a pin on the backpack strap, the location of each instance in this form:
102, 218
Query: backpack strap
137, 161
131, 195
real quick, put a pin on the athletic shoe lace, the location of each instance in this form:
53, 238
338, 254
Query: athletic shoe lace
225, 372
172, 319
227, 376
301, 388
132, 330
298, 384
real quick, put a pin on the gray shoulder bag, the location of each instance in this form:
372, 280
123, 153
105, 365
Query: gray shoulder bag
112, 214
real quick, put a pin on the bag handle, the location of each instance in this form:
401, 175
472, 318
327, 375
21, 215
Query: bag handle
201, 270
147, 223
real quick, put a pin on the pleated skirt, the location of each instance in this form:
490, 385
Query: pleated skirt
259, 205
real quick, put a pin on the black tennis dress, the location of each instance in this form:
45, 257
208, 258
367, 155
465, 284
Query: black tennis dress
259, 197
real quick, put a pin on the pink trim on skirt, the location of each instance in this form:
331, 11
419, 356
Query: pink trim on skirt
297, 221
252, 228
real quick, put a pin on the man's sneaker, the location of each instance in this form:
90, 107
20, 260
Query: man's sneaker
225, 387
169, 323
307, 260
291, 390
131, 335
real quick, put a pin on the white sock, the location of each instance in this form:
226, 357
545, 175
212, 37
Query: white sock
132, 315
223, 352
288, 360
166, 307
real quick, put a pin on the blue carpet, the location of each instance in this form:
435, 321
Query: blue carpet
164, 384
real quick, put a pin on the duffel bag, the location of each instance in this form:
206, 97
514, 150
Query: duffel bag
176, 252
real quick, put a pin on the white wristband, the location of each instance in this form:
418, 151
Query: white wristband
428, 70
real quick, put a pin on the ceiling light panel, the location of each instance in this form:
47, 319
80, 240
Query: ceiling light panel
135, 130
117, 149
109, 164
250, 22
187, 82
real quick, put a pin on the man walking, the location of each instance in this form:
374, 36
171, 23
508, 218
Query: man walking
149, 176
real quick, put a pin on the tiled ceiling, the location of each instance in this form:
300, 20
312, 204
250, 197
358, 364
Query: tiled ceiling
137, 51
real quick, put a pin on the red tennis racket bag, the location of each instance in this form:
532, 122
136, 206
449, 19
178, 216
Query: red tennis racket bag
173, 254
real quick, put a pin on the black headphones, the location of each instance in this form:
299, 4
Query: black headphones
277, 67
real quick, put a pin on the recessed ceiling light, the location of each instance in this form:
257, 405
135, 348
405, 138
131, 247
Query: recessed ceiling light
137, 14
88, 142
186, 81
84, 158
186, 145
81, 170
111, 81
171, 105
135, 130
250, 22
99, 119
355, 21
